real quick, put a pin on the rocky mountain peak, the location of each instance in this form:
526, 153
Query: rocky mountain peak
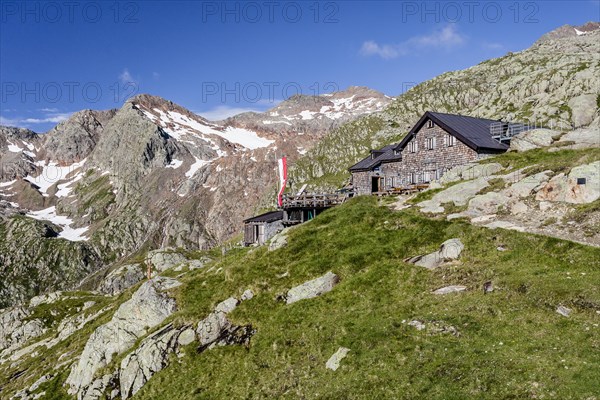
569, 31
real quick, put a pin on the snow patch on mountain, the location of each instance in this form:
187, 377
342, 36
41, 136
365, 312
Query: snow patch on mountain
68, 233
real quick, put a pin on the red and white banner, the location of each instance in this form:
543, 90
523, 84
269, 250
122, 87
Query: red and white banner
282, 180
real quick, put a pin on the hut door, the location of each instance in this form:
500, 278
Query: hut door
375, 184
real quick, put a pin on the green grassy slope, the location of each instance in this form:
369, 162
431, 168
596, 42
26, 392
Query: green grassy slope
511, 343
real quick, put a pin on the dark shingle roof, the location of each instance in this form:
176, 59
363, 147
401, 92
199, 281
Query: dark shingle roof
373, 159
270, 216
474, 132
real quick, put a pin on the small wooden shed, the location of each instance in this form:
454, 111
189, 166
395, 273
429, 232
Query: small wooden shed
258, 230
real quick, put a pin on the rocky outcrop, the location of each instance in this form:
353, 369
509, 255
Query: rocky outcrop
164, 259
581, 185
534, 139
458, 194
147, 308
149, 358
122, 278
313, 288
16, 330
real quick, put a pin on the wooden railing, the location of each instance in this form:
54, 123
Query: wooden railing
314, 200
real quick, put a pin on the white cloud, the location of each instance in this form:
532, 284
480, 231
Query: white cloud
446, 38
55, 118
48, 118
493, 46
386, 51
49, 110
126, 77
221, 112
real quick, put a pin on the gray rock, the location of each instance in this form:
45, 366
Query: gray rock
504, 225
450, 289
417, 324
449, 250
583, 138
147, 308
470, 171
247, 295
121, 279
564, 311
334, 361
533, 139
217, 330
279, 240
45, 299
15, 330
458, 194
567, 189
186, 337
527, 185
583, 109
485, 204
164, 259
313, 288
148, 359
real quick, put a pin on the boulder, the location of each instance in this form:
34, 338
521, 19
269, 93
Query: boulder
121, 279
449, 250
148, 307
450, 289
582, 185
247, 295
313, 288
583, 109
534, 139
164, 259
334, 361
279, 240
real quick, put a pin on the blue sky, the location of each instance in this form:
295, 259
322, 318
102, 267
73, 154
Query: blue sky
218, 58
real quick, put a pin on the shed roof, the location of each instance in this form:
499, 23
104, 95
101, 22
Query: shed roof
267, 217
373, 159
474, 132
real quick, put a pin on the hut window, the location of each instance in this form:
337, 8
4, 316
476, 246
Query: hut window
450, 140
430, 124
412, 146
430, 143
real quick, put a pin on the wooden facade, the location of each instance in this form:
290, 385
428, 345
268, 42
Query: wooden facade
302, 208
258, 230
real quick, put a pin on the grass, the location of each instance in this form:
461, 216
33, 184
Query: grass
539, 160
512, 344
